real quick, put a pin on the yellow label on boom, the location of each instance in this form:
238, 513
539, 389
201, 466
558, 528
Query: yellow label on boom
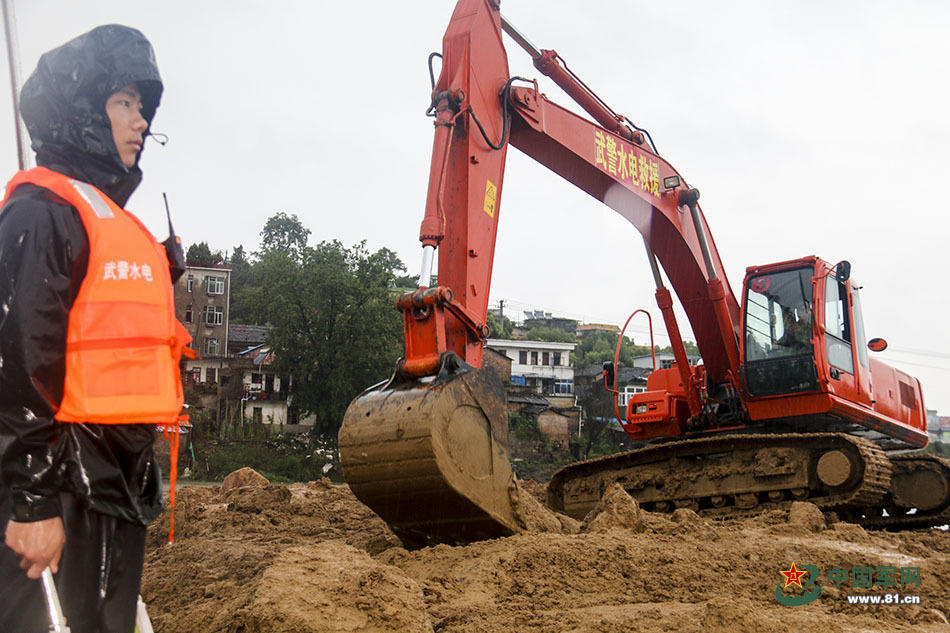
626, 164
491, 196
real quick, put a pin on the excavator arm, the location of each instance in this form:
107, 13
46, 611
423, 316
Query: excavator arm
428, 449
479, 110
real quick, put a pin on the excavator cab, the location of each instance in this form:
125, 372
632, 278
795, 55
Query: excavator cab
804, 353
779, 332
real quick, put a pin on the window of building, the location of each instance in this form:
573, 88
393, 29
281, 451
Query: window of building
523, 357
211, 345
214, 285
534, 358
210, 374
564, 387
188, 313
214, 315
667, 364
545, 358
627, 393
556, 359
191, 282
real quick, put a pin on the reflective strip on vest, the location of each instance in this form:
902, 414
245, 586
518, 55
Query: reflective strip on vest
90, 195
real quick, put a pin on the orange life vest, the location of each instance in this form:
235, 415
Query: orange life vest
123, 343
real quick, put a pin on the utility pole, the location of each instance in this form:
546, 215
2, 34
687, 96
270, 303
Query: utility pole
13, 61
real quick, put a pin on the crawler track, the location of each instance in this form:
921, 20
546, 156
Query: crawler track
736, 475
921, 485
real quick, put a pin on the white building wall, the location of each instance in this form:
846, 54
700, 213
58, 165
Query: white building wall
663, 360
513, 349
272, 411
201, 367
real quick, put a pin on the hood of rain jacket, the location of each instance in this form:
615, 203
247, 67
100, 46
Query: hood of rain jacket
63, 105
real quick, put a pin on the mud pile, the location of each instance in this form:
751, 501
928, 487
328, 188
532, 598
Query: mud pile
310, 557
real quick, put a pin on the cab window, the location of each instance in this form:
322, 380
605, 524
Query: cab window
779, 315
837, 325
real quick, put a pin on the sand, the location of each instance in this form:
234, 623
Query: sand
310, 557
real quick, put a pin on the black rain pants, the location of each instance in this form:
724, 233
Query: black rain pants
98, 579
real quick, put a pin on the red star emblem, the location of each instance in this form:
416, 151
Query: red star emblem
793, 576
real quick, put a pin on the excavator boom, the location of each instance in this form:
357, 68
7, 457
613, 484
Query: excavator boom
428, 449
402, 444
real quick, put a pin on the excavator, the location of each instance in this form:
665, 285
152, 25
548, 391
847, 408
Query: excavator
785, 405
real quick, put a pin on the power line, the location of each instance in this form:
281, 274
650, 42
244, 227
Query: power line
904, 362
917, 352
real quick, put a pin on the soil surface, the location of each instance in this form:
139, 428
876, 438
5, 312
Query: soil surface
252, 557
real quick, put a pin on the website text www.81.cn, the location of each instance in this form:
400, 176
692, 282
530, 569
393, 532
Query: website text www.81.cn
887, 598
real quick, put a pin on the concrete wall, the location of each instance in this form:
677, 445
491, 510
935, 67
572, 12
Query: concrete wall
554, 426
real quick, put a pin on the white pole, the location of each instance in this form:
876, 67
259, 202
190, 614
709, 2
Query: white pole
13, 62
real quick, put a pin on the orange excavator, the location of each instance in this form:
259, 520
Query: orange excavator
786, 405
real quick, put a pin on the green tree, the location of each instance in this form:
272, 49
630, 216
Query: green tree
335, 329
284, 232
599, 434
200, 254
690, 346
242, 281
599, 347
500, 328
406, 283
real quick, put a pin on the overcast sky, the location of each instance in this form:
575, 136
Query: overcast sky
809, 127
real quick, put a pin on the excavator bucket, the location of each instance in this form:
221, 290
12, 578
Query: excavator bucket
430, 456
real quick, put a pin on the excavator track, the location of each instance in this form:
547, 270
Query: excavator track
919, 495
734, 475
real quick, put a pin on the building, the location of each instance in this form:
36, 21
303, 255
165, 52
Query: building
542, 366
243, 337
498, 361
938, 426
202, 297
589, 328
232, 371
538, 318
266, 397
664, 360
630, 380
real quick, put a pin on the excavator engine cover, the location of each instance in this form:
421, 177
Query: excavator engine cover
430, 456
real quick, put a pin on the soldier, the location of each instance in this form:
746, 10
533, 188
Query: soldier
89, 344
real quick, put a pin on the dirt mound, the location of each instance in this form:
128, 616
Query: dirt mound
533, 515
332, 587
616, 509
310, 557
244, 477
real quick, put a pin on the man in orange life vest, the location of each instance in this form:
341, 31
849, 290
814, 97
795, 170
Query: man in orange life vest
89, 344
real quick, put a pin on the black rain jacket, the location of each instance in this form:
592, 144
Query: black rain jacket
44, 252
